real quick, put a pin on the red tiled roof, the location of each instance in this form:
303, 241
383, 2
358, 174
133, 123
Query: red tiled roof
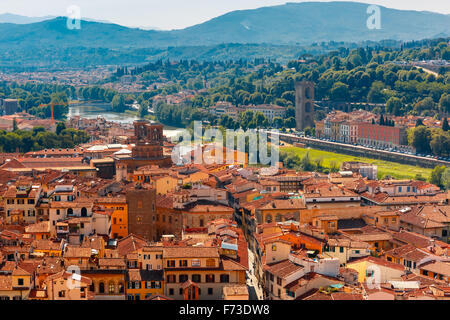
130, 244
283, 268
377, 261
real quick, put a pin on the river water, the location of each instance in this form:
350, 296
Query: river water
104, 110
92, 111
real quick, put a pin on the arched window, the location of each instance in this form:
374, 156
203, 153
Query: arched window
70, 211
121, 287
101, 287
308, 107
210, 278
112, 287
83, 212
308, 93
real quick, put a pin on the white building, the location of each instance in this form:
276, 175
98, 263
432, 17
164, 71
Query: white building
270, 111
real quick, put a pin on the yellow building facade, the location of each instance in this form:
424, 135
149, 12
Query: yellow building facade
119, 216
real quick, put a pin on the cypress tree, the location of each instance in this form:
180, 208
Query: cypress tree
445, 125
419, 122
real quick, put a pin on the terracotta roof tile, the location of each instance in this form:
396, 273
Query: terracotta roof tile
190, 252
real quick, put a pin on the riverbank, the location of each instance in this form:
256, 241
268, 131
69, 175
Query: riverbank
92, 111
396, 170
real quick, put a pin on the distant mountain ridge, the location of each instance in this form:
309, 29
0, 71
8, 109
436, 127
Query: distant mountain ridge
19, 19
291, 23
308, 22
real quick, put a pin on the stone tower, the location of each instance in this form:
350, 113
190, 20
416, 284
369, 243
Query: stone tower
148, 140
304, 105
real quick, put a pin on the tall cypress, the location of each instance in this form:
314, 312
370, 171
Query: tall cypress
445, 126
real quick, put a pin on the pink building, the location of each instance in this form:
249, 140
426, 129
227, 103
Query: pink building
380, 136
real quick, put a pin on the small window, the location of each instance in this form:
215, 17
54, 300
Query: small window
183, 278
183, 263
171, 263
224, 278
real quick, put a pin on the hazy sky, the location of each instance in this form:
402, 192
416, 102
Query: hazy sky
175, 14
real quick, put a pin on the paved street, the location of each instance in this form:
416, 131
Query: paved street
255, 291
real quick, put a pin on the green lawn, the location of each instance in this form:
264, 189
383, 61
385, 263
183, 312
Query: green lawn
396, 170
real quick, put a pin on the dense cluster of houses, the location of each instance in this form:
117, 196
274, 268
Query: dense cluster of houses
216, 231
361, 127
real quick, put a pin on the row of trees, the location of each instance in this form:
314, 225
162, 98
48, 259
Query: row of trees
96, 93
430, 140
292, 161
440, 176
179, 115
35, 98
39, 138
